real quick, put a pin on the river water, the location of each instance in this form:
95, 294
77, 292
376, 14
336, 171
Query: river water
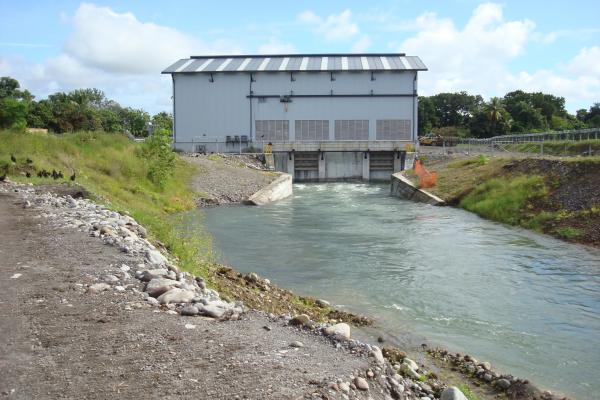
527, 303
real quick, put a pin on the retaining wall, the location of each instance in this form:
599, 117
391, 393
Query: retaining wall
402, 187
279, 189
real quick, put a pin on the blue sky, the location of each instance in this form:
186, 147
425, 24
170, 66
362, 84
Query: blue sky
120, 47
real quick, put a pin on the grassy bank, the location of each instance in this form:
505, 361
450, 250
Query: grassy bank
115, 171
560, 197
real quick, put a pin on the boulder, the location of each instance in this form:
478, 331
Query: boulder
190, 311
158, 286
452, 393
98, 287
155, 257
339, 331
322, 303
300, 320
378, 355
503, 384
147, 276
410, 364
361, 383
212, 310
176, 295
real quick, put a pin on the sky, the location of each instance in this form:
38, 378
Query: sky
120, 47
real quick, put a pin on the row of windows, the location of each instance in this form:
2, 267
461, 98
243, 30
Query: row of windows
344, 129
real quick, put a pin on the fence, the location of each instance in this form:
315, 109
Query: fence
585, 142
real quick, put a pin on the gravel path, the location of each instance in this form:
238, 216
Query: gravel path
59, 340
228, 178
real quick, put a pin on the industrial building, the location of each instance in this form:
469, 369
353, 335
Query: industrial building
328, 116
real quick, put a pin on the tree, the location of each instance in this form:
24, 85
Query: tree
163, 120
13, 113
547, 104
135, 121
592, 118
526, 118
40, 114
494, 111
9, 88
427, 115
491, 120
581, 114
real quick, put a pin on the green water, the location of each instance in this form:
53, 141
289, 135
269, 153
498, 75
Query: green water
527, 303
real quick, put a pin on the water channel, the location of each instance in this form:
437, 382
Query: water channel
528, 303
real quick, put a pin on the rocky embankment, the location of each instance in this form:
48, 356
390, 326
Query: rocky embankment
228, 178
92, 309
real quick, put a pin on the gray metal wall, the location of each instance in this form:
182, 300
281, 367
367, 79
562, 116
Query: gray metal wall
206, 112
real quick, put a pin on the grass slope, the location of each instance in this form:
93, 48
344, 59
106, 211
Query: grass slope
560, 197
112, 168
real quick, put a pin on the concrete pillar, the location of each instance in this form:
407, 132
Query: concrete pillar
397, 162
366, 165
322, 171
290, 163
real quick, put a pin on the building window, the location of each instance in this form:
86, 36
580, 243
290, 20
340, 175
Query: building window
271, 130
351, 129
312, 129
393, 129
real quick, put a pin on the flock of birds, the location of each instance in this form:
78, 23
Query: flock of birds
54, 174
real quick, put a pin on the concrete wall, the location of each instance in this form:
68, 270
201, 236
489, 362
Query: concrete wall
206, 112
403, 188
337, 166
279, 189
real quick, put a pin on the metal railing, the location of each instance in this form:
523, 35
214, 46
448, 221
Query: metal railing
519, 143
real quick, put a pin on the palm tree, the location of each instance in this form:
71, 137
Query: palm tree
494, 112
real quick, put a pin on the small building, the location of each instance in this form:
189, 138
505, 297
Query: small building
309, 106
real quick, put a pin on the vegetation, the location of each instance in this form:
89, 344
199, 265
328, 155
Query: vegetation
79, 110
466, 390
117, 172
461, 114
505, 200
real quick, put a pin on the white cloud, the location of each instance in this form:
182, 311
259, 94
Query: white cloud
362, 45
117, 42
333, 28
114, 52
586, 63
275, 46
476, 57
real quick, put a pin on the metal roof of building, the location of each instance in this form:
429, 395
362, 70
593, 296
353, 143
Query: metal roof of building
297, 62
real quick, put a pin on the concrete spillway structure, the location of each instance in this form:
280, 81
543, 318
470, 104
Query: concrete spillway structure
341, 160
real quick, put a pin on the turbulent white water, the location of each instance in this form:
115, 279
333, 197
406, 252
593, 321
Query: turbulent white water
528, 303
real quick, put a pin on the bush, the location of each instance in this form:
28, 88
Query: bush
160, 157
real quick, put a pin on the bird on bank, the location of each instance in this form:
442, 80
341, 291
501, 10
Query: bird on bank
13, 158
72, 177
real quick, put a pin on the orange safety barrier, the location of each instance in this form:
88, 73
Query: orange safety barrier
426, 179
